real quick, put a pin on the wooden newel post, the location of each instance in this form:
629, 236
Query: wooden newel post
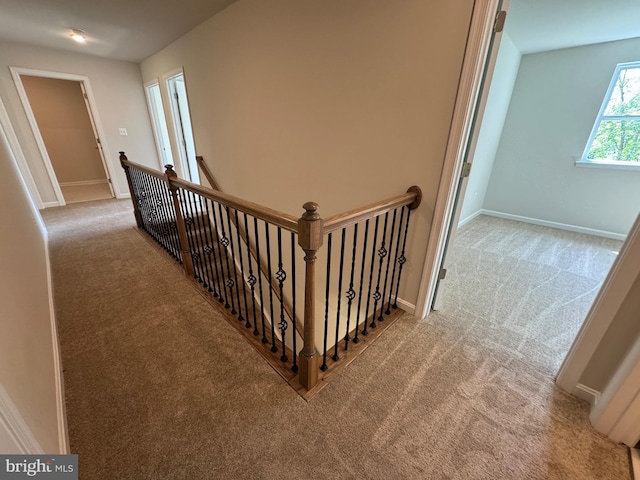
310, 239
187, 261
134, 200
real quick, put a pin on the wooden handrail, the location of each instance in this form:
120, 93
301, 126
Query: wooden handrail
280, 219
412, 198
207, 173
310, 229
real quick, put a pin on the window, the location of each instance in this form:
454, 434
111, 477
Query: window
615, 138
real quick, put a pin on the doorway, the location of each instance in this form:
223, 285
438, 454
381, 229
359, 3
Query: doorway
182, 127
64, 125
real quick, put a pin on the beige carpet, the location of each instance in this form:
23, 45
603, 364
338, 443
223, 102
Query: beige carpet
159, 387
86, 193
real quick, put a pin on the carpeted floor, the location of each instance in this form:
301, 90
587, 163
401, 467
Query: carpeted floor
159, 387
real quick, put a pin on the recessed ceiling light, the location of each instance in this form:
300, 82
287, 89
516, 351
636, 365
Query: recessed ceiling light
78, 35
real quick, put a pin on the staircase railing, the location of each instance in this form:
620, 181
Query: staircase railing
246, 256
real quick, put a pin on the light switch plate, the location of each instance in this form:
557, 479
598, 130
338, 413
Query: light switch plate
123, 131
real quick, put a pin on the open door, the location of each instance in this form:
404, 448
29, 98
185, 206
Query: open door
478, 113
182, 125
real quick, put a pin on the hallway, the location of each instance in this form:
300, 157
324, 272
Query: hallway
158, 386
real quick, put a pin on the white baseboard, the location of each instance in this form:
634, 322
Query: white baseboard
16, 427
63, 433
561, 226
587, 393
83, 182
51, 204
406, 306
120, 196
469, 218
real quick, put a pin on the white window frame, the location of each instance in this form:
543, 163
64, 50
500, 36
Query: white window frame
615, 164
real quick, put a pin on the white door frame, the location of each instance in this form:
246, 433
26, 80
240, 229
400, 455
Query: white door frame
93, 115
180, 149
165, 154
475, 58
23, 165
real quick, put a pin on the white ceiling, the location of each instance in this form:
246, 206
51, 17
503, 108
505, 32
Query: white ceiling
540, 25
135, 29
121, 29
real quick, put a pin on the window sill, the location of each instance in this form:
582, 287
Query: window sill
609, 165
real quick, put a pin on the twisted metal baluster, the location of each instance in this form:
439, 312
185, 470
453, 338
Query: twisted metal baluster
362, 268
210, 250
324, 367
382, 252
198, 230
281, 276
233, 262
402, 259
221, 252
224, 241
251, 279
294, 367
393, 275
190, 224
351, 294
255, 227
386, 275
335, 356
373, 258
270, 276
244, 286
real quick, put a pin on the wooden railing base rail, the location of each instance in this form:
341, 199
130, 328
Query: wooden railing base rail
218, 240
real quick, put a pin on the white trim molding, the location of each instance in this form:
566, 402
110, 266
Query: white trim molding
587, 394
21, 161
16, 427
625, 270
406, 306
547, 223
617, 414
83, 183
469, 90
63, 432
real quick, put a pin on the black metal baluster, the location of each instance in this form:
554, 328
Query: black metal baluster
273, 326
362, 268
393, 275
351, 294
166, 217
326, 305
192, 235
155, 207
252, 279
210, 250
224, 241
207, 249
196, 206
144, 207
244, 285
281, 276
233, 262
386, 275
221, 253
173, 225
382, 252
294, 367
373, 261
255, 228
335, 356
402, 259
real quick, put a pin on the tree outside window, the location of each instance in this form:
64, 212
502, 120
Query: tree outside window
616, 134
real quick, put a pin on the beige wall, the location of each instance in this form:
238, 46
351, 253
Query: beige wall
65, 126
26, 344
119, 98
343, 103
